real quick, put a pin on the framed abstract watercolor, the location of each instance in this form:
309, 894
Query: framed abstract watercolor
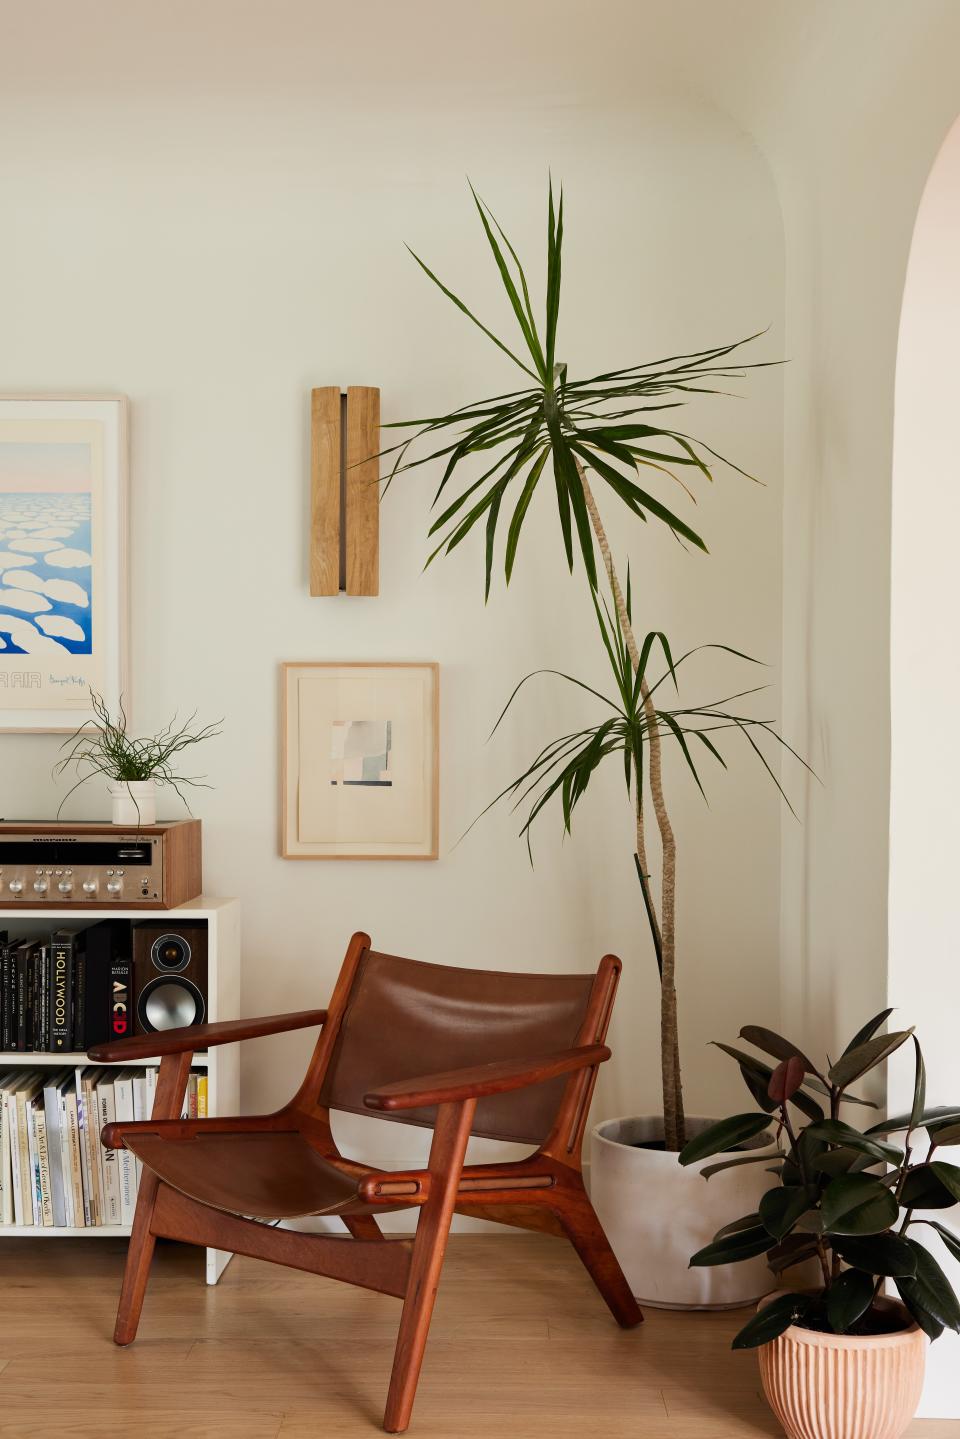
360, 761
63, 591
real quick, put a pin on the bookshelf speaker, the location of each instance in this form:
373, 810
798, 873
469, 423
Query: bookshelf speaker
170, 975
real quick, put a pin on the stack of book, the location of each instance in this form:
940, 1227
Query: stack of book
54, 1172
66, 991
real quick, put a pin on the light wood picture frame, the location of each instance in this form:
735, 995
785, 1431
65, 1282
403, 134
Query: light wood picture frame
63, 559
360, 759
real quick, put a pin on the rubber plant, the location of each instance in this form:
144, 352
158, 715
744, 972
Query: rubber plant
608, 429
844, 1196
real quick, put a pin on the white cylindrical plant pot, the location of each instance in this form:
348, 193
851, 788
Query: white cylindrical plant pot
657, 1213
134, 802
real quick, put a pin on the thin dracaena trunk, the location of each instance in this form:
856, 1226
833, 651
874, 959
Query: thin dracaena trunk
663, 928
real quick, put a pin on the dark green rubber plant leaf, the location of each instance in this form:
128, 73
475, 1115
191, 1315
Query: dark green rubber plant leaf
781, 1208
866, 1056
886, 1254
772, 1320
850, 1296
857, 1204
930, 1289
836, 1132
745, 1244
925, 1188
723, 1136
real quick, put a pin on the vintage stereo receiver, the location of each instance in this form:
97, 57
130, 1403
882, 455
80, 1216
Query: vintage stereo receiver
73, 866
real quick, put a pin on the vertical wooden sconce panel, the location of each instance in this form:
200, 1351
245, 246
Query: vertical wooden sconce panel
345, 491
362, 491
325, 466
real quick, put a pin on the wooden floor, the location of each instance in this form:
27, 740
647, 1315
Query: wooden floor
521, 1346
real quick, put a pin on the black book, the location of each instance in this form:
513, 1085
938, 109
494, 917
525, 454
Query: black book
107, 961
61, 989
6, 994
22, 966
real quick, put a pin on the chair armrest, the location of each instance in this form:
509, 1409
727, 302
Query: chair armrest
495, 1078
193, 1037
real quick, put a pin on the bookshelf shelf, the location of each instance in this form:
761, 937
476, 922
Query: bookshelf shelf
39, 1059
222, 917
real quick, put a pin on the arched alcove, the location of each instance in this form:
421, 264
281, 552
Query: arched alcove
923, 979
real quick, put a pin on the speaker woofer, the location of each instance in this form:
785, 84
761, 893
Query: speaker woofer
169, 1004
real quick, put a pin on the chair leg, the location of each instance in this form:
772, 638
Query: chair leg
139, 1257
450, 1135
585, 1232
171, 1086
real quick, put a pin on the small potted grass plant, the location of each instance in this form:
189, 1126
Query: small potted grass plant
841, 1360
133, 765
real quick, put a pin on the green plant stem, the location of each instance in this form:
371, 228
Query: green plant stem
674, 1127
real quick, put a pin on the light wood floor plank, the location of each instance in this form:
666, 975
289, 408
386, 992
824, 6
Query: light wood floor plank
521, 1345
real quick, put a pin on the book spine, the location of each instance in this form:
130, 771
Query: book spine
44, 1175
65, 1179
33, 1165
202, 1099
51, 1115
22, 999
61, 983
82, 1122
23, 1156
111, 1174
127, 1172
121, 997
7, 988
79, 1037
6, 1216
92, 1126
80, 1216
14, 1131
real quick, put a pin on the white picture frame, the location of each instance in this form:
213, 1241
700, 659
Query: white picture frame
63, 559
360, 760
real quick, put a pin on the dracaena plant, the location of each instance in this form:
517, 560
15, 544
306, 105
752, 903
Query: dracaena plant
844, 1196
608, 429
635, 714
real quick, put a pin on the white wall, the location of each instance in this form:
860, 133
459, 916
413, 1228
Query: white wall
204, 207
924, 980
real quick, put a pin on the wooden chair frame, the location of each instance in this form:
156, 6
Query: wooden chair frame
543, 1192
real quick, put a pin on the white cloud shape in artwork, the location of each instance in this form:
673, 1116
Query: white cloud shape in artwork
54, 532
8, 560
66, 559
23, 600
40, 547
59, 625
26, 636
68, 592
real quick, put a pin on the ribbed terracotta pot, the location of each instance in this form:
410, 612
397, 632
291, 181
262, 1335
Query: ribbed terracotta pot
845, 1386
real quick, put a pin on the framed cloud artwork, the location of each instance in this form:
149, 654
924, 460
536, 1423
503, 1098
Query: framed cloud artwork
63, 598
360, 761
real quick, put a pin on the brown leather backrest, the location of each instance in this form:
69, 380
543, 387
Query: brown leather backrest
404, 1018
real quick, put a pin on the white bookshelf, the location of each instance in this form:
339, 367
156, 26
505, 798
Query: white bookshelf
222, 917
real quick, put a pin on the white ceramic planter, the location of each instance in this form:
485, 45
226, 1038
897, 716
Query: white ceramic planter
657, 1213
845, 1386
134, 802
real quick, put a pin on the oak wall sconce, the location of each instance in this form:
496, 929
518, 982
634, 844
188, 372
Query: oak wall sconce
345, 491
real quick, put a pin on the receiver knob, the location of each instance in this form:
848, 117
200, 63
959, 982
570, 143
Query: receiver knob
89, 886
16, 886
114, 886
41, 885
65, 886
